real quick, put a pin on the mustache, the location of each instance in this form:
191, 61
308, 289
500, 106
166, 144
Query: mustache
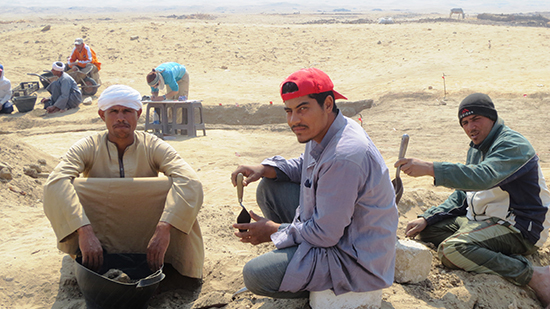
121, 125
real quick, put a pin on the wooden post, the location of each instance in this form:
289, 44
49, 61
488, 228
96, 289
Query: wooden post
444, 88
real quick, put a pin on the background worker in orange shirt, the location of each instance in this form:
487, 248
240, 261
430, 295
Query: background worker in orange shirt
84, 59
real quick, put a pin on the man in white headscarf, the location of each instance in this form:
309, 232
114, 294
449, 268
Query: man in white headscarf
6, 107
65, 92
91, 223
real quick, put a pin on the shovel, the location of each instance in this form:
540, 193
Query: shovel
397, 183
244, 216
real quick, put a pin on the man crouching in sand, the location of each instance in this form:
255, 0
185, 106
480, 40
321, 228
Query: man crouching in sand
499, 211
122, 152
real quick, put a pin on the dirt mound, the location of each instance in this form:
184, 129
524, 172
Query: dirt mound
517, 19
23, 170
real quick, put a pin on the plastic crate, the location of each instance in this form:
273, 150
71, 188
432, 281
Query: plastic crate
25, 89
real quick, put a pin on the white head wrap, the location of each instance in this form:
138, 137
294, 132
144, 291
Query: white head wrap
159, 79
119, 95
58, 66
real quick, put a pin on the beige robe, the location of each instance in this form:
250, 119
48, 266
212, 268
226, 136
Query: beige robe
124, 211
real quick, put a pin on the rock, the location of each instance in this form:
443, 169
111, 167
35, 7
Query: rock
385, 21
459, 298
48, 27
30, 172
212, 300
134, 37
42, 162
118, 275
87, 101
350, 300
412, 262
5, 173
36, 167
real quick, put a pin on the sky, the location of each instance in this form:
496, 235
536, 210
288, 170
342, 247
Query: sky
428, 6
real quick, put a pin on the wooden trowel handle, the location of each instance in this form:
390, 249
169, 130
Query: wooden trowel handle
240, 188
403, 147
402, 151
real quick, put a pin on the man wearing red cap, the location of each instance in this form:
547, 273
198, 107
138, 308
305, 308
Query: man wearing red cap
499, 210
331, 212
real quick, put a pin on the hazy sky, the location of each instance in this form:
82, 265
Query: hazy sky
326, 5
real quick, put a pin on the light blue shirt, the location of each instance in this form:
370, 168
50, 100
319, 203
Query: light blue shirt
172, 72
345, 226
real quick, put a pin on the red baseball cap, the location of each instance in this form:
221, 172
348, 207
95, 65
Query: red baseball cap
310, 80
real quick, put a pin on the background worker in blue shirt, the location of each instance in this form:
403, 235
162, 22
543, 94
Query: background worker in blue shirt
174, 76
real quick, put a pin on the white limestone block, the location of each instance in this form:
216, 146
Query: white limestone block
413, 261
351, 300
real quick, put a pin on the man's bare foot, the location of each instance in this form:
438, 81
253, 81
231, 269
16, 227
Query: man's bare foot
52, 109
540, 283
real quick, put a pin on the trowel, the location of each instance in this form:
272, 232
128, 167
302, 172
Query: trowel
244, 216
397, 183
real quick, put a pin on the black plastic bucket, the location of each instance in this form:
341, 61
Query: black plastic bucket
103, 293
24, 103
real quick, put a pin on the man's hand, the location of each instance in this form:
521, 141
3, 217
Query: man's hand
258, 232
156, 249
90, 247
414, 227
157, 98
253, 173
415, 167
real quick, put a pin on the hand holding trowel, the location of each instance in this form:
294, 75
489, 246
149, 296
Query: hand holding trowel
244, 216
397, 183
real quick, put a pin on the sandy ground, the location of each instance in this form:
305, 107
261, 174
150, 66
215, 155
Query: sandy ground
238, 61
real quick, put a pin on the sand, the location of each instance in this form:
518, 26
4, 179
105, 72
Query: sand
238, 61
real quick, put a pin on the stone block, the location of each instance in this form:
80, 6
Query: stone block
351, 300
413, 261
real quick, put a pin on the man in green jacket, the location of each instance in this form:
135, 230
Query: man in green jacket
498, 212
